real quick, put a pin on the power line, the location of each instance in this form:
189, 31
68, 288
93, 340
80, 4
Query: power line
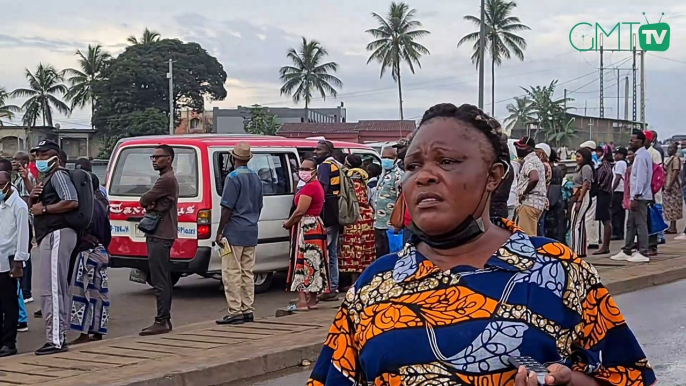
666, 58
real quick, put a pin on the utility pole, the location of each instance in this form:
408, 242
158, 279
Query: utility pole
602, 76
565, 100
585, 107
170, 76
590, 129
643, 90
482, 49
618, 96
626, 98
633, 70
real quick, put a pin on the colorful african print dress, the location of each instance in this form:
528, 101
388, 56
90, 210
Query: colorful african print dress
357, 249
407, 322
90, 302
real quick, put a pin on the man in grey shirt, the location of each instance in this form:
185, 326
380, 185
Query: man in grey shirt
238, 233
641, 194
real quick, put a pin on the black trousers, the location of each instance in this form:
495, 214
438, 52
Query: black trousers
618, 215
9, 309
381, 242
159, 260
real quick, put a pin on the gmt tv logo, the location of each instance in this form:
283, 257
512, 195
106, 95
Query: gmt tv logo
586, 36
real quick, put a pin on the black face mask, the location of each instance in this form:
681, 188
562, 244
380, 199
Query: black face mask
521, 153
321, 159
471, 228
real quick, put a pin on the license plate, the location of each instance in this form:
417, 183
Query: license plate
137, 232
138, 276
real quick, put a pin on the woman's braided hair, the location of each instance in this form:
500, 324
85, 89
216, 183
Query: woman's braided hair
474, 116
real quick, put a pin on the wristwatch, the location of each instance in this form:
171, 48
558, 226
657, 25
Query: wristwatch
45, 210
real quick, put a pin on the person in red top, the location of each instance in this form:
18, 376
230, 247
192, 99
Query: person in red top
308, 266
32, 165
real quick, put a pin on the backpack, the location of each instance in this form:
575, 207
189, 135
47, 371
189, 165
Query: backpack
80, 218
348, 206
595, 186
659, 176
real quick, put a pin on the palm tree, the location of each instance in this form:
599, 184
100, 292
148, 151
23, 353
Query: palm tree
395, 43
81, 80
148, 37
44, 84
550, 113
521, 113
308, 74
6, 111
501, 40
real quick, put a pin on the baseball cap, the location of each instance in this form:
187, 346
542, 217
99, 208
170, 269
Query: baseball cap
526, 142
622, 150
649, 135
46, 145
401, 144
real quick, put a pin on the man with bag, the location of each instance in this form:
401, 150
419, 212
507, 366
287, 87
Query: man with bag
160, 226
387, 193
52, 199
242, 202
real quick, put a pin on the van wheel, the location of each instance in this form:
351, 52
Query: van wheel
263, 281
175, 277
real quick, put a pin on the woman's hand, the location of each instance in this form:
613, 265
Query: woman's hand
558, 375
286, 225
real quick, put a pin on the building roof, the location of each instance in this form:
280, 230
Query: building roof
347, 128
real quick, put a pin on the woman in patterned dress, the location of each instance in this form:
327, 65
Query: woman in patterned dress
465, 294
308, 268
673, 195
357, 249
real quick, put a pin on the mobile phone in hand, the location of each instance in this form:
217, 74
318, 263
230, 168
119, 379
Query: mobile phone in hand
531, 365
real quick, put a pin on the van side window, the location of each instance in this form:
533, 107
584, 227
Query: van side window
271, 168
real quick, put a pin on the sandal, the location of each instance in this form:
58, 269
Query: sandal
596, 253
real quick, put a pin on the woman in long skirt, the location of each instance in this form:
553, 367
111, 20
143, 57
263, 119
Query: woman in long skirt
581, 200
358, 248
90, 303
673, 195
308, 267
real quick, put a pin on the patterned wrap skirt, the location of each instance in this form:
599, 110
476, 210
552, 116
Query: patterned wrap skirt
89, 290
308, 269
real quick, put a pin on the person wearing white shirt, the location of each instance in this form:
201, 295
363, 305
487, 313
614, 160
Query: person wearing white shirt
14, 251
618, 212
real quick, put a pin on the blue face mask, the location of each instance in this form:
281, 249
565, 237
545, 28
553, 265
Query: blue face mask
387, 163
3, 195
44, 166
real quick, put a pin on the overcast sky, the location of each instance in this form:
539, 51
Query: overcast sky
250, 39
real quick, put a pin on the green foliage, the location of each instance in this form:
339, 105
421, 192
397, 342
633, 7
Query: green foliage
136, 81
148, 122
551, 114
395, 43
6, 111
44, 86
501, 38
90, 67
261, 121
308, 74
521, 113
148, 37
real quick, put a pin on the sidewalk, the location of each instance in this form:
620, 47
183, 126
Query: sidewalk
207, 354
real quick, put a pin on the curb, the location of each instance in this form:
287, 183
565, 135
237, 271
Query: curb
647, 281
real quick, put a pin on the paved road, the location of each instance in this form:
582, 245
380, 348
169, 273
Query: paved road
133, 305
656, 315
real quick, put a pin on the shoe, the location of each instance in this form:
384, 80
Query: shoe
22, 327
638, 258
7, 351
28, 300
681, 237
171, 328
662, 242
49, 349
249, 317
621, 256
235, 319
328, 297
593, 246
156, 329
38, 314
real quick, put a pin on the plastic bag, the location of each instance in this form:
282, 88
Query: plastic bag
656, 223
395, 241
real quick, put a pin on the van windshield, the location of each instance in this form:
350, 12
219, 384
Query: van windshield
133, 174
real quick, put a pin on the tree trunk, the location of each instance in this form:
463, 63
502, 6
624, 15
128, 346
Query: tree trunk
92, 114
307, 111
400, 94
493, 87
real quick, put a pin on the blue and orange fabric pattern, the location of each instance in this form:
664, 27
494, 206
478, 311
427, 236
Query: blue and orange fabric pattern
406, 322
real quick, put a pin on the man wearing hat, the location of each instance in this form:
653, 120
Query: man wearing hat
401, 149
531, 187
50, 199
241, 207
